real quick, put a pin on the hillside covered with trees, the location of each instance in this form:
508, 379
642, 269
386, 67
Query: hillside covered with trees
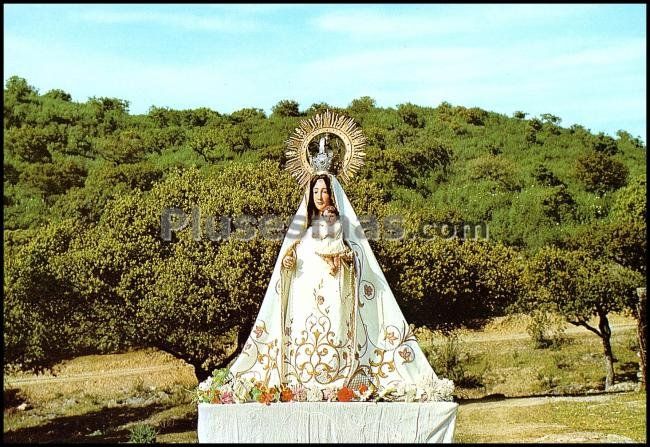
86, 269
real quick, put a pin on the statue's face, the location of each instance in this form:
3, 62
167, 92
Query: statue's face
321, 195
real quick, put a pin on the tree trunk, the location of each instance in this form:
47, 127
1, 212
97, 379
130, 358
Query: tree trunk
242, 337
606, 335
641, 331
200, 373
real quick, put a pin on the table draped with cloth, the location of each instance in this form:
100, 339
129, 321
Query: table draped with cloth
321, 422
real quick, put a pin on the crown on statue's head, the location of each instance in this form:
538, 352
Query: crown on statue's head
322, 161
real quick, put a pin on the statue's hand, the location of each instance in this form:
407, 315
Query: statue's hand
289, 262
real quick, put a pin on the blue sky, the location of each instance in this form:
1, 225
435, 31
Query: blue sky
583, 63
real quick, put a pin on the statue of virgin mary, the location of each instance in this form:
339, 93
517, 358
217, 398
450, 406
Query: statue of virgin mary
320, 327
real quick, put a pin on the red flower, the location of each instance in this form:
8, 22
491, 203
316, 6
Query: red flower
286, 395
345, 394
363, 388
266, 398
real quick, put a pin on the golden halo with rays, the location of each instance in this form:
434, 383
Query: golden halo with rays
345, 128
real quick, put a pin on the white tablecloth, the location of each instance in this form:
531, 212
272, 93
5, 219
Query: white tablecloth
371, 422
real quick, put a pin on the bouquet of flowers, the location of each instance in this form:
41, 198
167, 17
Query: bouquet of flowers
222, 388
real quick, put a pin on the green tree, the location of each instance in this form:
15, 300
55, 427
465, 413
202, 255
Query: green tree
248, 114
549, 118
579, 287
17, 88
10, 173
28, 143
130, 287
532, 129
198, 117
473, 115
559, 205
316, 108
59, 94
362, 105
604, 144
221, 143
626, 137
498, 169
125, 146
286, 108
546, 177
600, 173
445, 283
54, 178
411, 115
630, 203
622, 241
39, 308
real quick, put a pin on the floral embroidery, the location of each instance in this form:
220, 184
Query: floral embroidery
258, 331
315, 351
367, 289
390, 336
406, 354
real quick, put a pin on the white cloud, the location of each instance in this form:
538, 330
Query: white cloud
456, 65
433, 20
583, 84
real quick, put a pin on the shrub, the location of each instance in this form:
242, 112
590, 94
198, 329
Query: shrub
604, 144
546, 330
473, 115
142, 434
496, 168
286, 108
450, 360
600, 173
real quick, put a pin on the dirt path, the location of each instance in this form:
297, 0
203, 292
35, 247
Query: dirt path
573, 330
530, 401
87, 376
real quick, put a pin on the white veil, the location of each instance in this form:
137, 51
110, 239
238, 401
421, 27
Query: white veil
388, 353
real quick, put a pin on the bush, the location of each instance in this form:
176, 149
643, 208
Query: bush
604, 144
473, 115
498, 169
411, 115
450, 360
142, 434
600, 173
546, 330
286, 108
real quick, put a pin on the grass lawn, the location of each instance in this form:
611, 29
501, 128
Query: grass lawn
616, 417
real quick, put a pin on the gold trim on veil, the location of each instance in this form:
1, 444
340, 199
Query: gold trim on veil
298, 157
